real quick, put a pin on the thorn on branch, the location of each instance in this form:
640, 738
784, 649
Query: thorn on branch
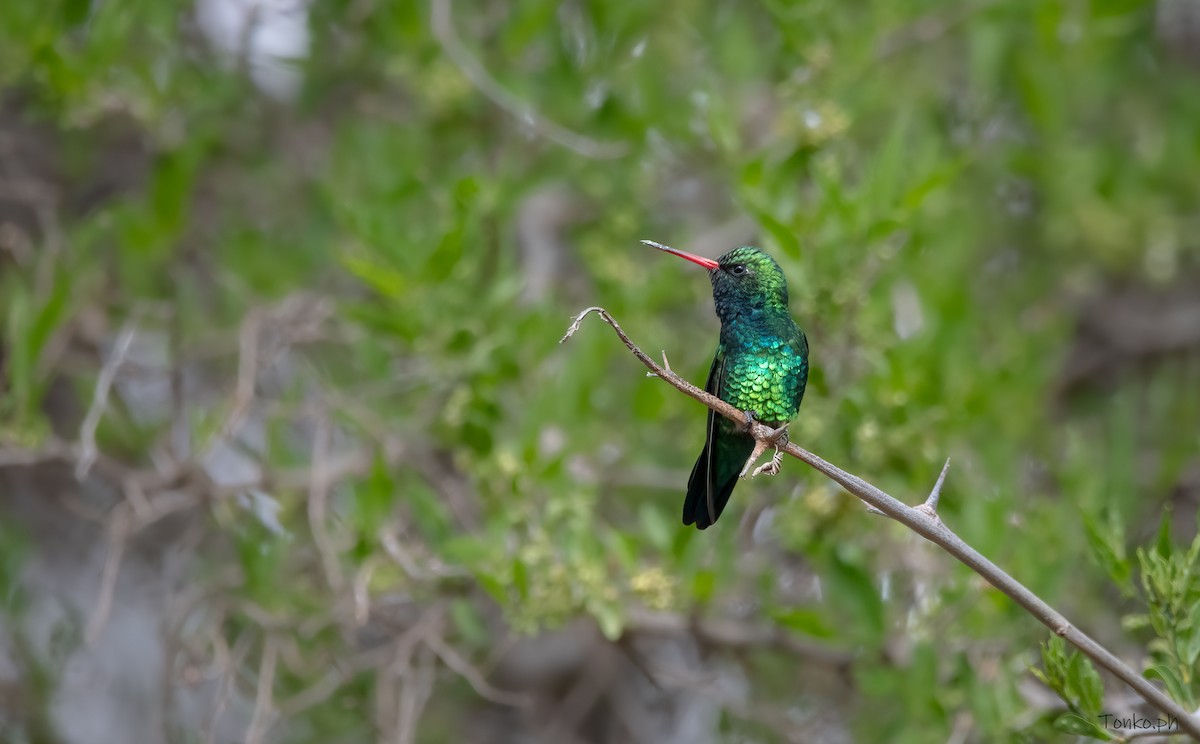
666, 366
655, 370
760, 446
777, 438
931, 502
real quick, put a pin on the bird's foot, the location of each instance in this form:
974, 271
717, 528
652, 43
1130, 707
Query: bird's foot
751, 420
770, 468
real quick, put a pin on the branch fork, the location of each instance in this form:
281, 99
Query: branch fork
776, 438
922, 519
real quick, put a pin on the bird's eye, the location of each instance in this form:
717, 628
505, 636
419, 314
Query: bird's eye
738, 270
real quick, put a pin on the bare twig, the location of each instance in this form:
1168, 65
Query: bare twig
324, 688
442, 21
415, 690
226, 673
260, 721
180, 443
247, 378
582, 696
931, 528
760, 446
425, 571
318, 494
391, 696
735, 634
961, 728
104, 382
473, 676
337, 468
361, 591
118, 534
52, 451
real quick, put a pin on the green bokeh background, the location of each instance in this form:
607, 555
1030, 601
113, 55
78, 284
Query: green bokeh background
973, 203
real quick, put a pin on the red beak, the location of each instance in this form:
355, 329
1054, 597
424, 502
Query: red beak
707, 263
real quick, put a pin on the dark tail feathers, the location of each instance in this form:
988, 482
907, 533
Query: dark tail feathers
730, 453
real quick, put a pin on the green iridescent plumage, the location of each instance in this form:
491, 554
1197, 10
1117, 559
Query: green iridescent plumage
761, 366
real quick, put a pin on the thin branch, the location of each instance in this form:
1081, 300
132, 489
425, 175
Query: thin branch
361, 591
415, 690
118, 535
180, 443
104, 382
247, 379
338, 675
226, 672
582, 695
473, 676
51, 451
318, 495
428, 570
390, 679
336, 468
735, 635
442, 21
259, 722
929, 526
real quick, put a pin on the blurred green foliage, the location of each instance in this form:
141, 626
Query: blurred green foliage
1076, 681
944, 187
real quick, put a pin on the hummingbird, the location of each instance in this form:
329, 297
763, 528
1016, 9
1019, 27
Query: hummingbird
761, 366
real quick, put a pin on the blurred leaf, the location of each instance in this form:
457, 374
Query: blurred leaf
1106, 535
1175, 687
1069, 723
520, 577
809, 622
780, 234
608, 617
854, 588
468, 623
703, 585
31, 323
75, 12
655, 527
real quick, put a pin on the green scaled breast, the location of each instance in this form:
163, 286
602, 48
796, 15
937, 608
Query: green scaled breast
767, 374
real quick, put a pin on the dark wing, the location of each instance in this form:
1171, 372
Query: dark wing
801, 377
716, 470
715, 385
